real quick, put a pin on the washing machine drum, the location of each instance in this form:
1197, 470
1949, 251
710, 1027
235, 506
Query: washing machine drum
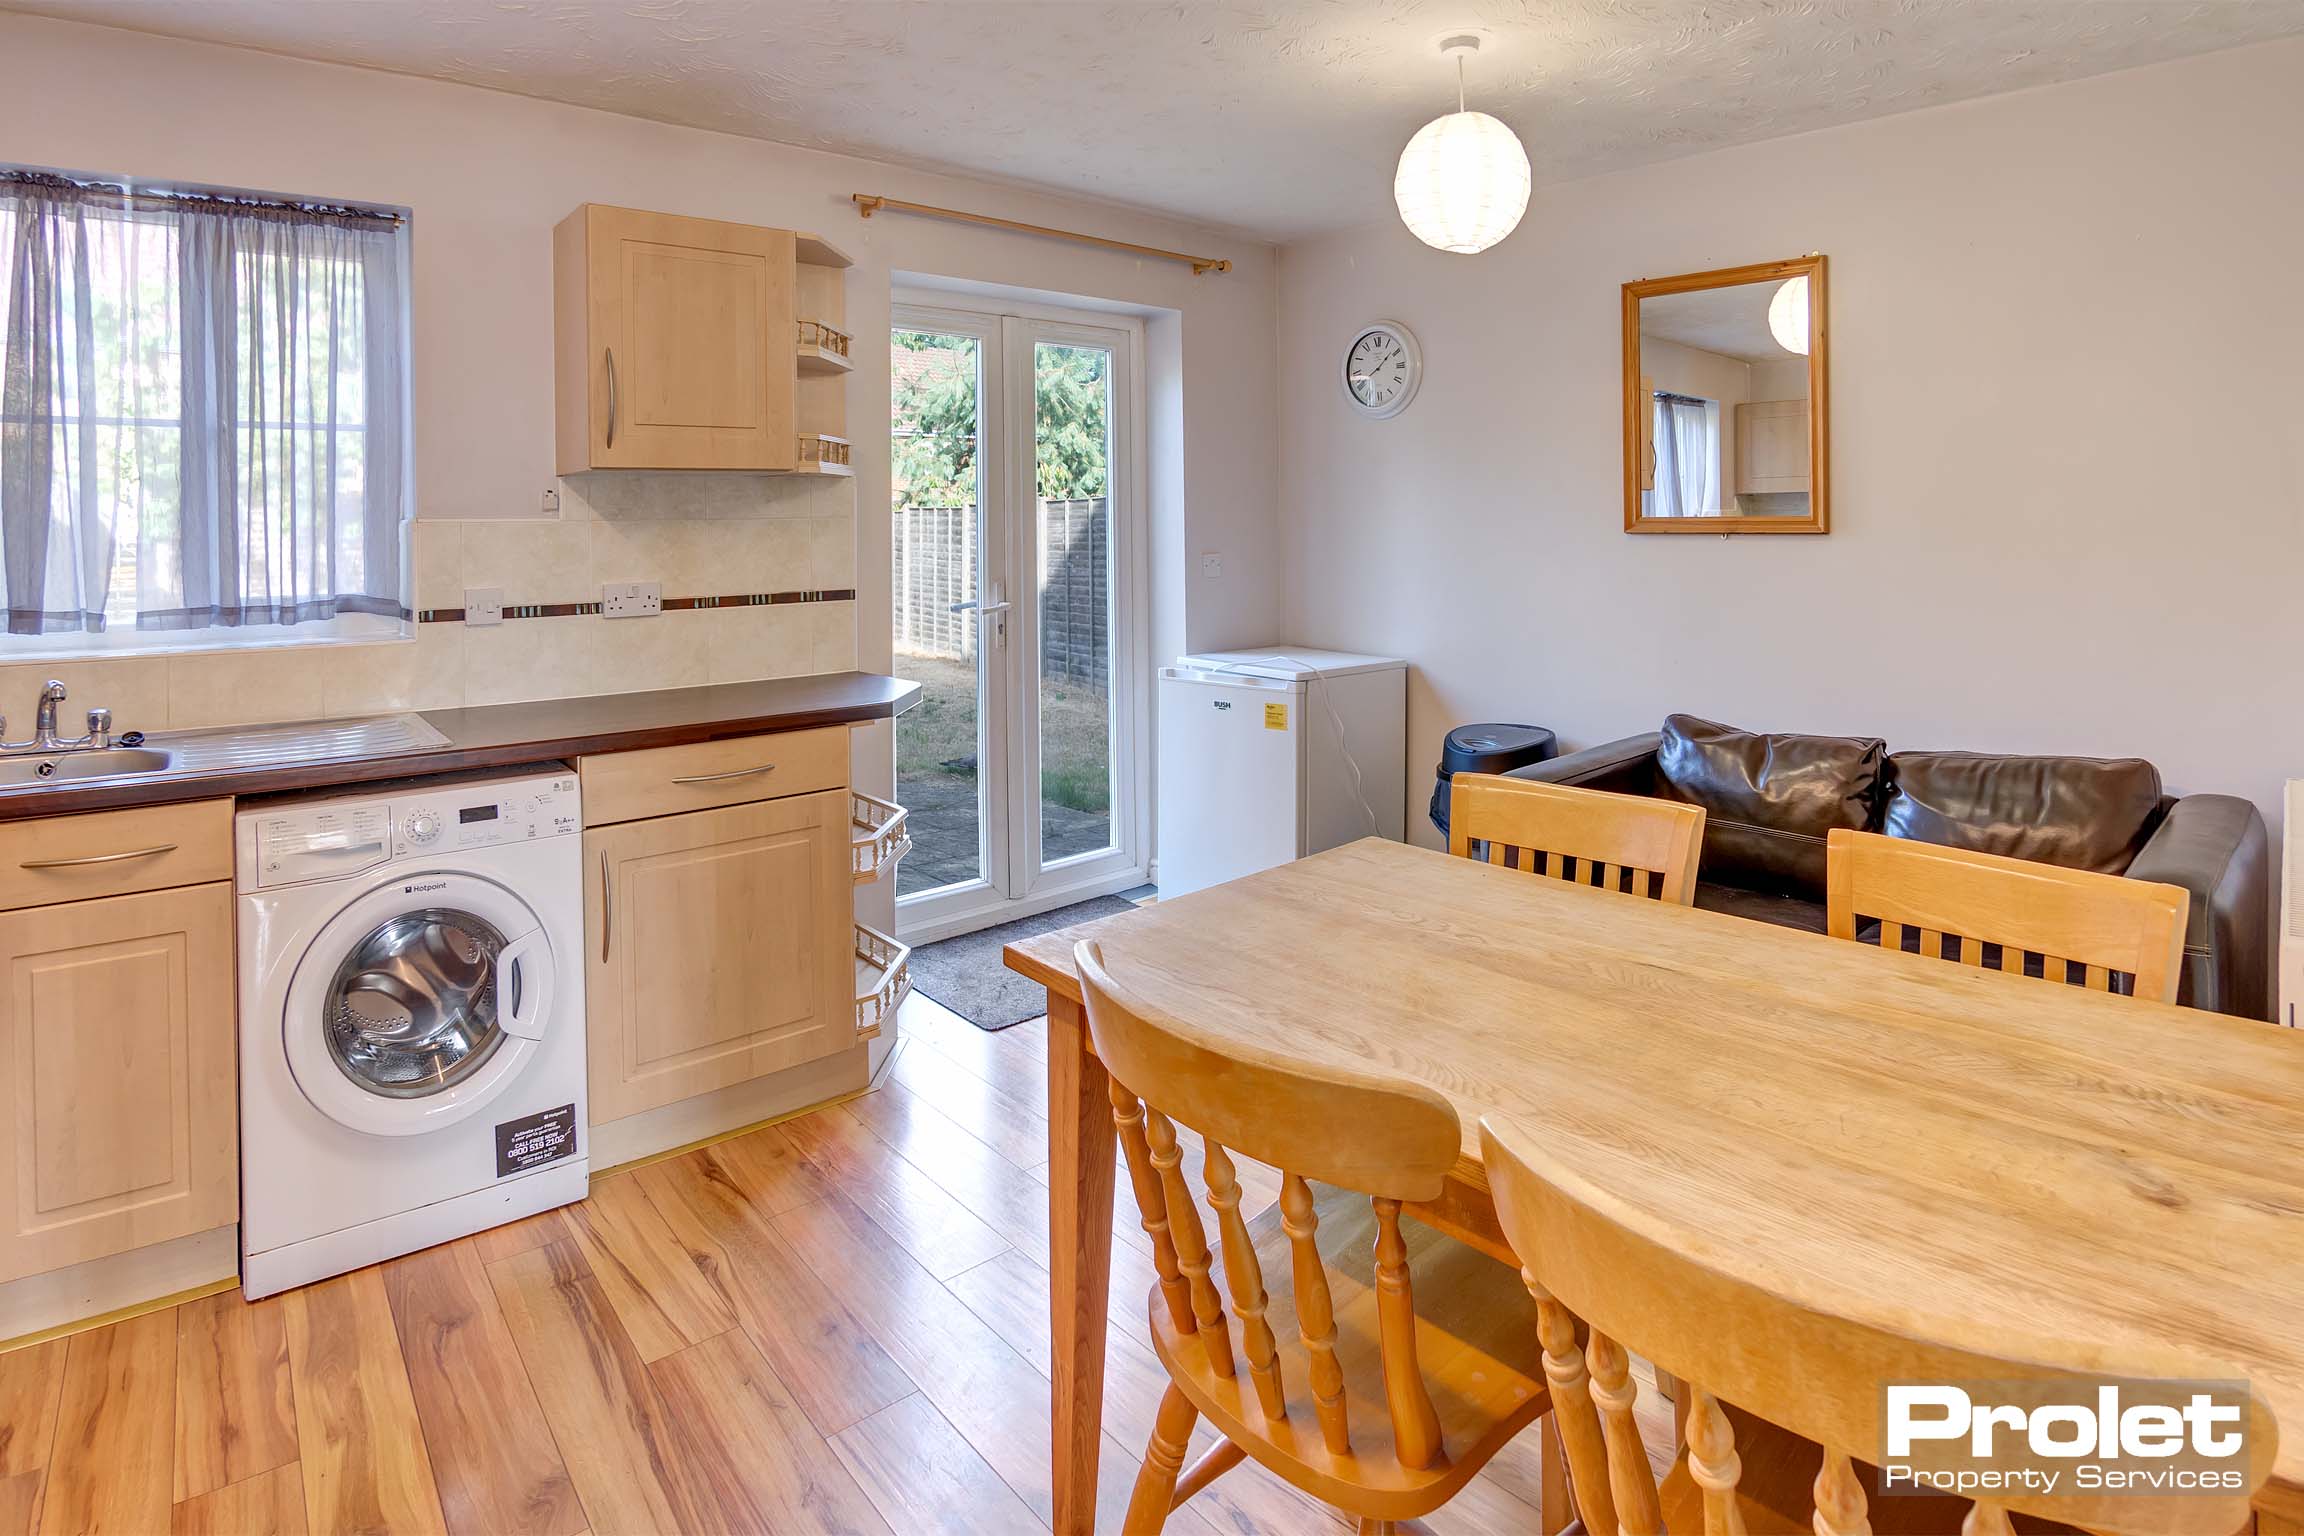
418, 1003
413, 1007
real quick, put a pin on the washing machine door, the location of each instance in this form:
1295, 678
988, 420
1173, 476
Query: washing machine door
419, 1003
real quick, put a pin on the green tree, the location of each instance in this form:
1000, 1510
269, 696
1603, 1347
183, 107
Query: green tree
935, 419
1069, 429
936, 414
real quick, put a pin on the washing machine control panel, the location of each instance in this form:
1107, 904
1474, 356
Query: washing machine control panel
341, 838
484, 815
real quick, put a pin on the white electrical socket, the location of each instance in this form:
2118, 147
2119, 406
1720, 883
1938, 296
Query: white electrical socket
552, 502
631, 599
1211, 565
483, 605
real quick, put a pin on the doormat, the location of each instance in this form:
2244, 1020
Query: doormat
966, 976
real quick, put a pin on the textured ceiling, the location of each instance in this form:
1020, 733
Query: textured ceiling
1732, 322
1279, 119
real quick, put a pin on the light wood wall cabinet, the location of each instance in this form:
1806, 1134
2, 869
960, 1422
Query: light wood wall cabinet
118, 1120
719, 941
1771, 446
678, 342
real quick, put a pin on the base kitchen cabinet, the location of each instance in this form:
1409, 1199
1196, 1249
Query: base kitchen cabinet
119, 1118
721, 945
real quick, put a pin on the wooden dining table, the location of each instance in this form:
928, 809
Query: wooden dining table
1918, 1144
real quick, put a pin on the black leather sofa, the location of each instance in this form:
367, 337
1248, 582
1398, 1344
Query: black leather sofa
1769, 800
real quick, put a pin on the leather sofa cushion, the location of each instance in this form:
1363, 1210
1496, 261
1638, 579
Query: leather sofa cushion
1768, 799
2080, 812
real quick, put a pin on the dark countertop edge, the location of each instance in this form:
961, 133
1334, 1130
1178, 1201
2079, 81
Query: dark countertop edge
511, 735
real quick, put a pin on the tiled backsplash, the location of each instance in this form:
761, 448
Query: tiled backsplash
699, 535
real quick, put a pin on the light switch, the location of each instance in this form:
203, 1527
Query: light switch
483, 605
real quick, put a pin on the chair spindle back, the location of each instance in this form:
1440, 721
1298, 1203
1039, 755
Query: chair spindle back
1627, 843
1595, 1258
2105, 932
1388, 1140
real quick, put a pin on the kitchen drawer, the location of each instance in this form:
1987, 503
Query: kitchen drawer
110, 853
626, 786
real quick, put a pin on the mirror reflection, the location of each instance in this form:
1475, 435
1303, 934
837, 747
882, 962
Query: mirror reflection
1724, 402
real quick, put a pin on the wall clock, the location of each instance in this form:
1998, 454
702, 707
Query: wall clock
1382, 367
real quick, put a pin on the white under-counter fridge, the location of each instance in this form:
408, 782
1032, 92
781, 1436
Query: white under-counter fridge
1274, 752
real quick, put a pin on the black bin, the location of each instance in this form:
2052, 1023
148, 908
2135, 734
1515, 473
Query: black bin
1487, 749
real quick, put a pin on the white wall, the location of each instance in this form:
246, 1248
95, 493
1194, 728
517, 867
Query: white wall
2067, 456
487, 175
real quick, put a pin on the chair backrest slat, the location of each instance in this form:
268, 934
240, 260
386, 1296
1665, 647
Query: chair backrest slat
2104, 932
1713, 1464
1415, 1423
1570, 1380
1152, 1203
1593, 1254
1584, 836
1315, 1312
1246, 1277
1191, 1242
1631, 1478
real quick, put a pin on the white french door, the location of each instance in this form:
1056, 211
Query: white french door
1018, 513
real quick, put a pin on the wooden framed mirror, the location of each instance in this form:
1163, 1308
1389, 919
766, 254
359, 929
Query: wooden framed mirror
1724, 418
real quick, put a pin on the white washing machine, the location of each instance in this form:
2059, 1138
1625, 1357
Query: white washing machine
411, 1018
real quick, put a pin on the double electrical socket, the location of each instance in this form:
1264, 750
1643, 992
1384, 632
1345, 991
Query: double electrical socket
631, 599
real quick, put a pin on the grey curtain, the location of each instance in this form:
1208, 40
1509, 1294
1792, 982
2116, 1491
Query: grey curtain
202, 411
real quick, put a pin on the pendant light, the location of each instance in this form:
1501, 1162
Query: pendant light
1462, 184
1788, 315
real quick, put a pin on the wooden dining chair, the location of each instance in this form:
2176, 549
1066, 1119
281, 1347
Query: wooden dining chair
1374, 1364
1584, 836
1610, 1273
2101, 931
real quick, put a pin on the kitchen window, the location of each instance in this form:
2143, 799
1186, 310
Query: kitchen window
203, 419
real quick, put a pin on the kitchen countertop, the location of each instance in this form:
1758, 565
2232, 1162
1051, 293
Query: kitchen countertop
509, 735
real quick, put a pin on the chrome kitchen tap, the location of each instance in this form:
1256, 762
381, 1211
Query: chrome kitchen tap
44, 738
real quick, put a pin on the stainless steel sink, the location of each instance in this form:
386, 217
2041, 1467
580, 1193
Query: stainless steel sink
111, 761
231, 749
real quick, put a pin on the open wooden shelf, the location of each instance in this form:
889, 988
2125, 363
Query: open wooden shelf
817, 362
816, 251
821, 453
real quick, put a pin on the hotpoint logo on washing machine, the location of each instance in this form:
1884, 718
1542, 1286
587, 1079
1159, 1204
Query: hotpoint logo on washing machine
424, 885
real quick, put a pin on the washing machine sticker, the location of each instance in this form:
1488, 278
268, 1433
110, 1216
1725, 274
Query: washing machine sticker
534, 1140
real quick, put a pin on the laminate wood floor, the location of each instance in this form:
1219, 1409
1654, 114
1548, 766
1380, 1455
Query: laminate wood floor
836, 1324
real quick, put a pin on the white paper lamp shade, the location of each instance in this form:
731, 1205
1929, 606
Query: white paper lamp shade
1788, 316
1462, 183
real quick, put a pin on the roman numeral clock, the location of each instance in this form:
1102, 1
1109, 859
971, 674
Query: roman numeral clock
1382, 368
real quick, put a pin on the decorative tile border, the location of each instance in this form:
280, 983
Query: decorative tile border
671, 605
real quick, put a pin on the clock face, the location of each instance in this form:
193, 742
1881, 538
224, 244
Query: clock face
1381, 370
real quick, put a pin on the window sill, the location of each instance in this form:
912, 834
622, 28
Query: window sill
128, 644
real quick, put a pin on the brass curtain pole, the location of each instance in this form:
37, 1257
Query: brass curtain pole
867, 204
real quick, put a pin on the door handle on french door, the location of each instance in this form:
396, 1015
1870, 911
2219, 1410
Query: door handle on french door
995, 607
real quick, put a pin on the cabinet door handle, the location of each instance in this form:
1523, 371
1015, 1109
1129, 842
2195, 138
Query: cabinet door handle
611, 397
733, 773
607, 906
98, 858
